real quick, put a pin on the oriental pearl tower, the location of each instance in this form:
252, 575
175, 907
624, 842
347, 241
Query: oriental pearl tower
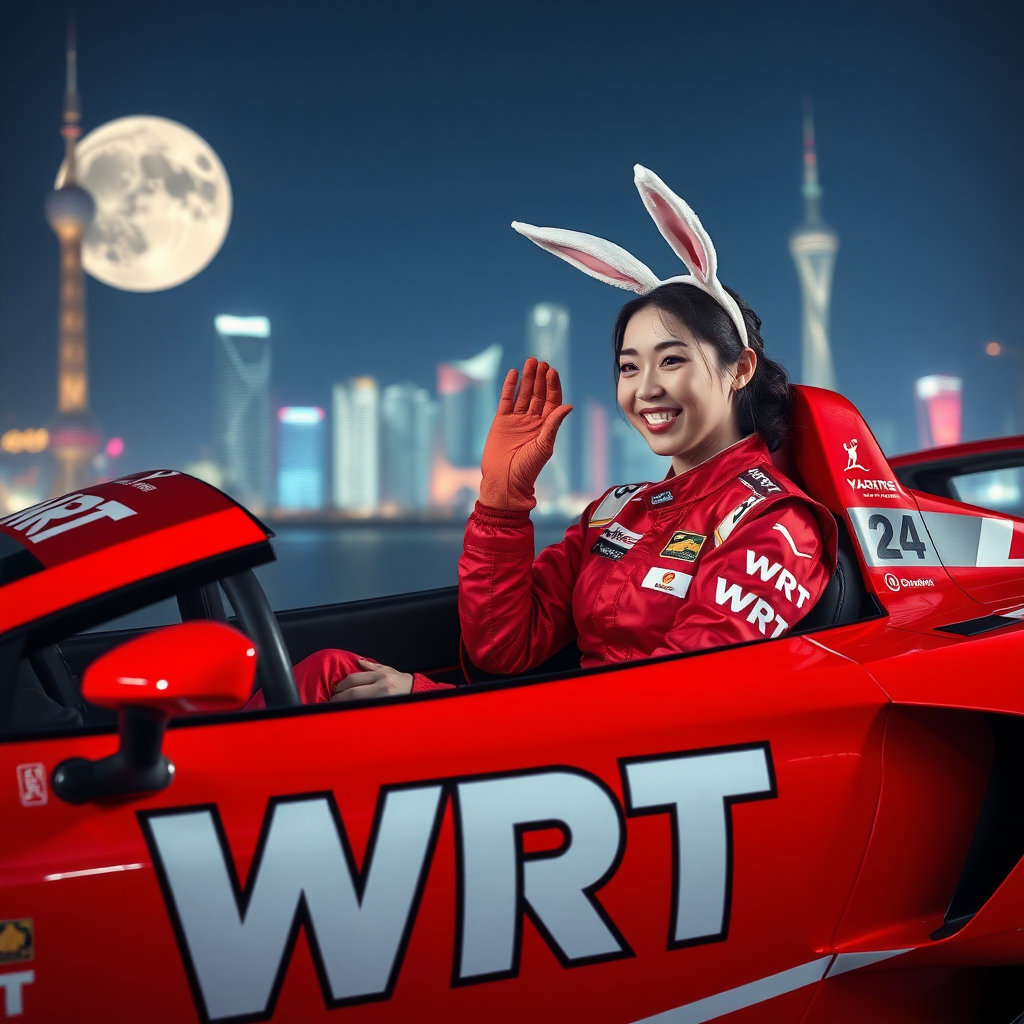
813, 246
70, 210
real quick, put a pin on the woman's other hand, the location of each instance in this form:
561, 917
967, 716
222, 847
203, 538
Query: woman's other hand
375, 681
522, 437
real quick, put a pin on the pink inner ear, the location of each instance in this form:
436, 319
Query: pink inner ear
681, 231
595, 264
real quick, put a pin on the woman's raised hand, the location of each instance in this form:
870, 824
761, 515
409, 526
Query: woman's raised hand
522, 436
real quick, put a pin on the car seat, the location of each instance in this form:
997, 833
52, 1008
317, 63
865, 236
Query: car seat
804, 459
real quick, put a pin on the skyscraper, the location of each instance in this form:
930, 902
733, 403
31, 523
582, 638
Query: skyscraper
408, 417
814, 247
300, 466
357, 446
74, 439
595, 449
468, 392
938, 403
547, 339
242, 408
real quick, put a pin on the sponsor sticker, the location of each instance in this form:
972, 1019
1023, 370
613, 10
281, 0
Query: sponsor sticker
69, 513
874, 488
668, 581
16, 945
614, 502
760, 482
852, 462
728, 524
893, 537
684, 546
895, 583
608, 550
32, 785
661, 498
617, 534
615, 542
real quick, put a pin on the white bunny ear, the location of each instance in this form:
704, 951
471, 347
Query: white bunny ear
683, 230
595, 256
679, 225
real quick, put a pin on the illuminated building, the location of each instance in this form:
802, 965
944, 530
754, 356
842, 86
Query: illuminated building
74, 438
814, 246
547, 339
356, 431
408, 416
300, 464
595, 449
468, 393
32, 440
242, 418
938, 402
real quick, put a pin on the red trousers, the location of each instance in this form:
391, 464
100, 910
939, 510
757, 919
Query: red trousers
316, 675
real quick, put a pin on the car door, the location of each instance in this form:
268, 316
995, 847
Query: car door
605, 846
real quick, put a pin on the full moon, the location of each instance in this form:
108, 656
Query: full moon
163, 203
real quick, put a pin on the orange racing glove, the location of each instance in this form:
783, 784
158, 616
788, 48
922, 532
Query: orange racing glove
522, 437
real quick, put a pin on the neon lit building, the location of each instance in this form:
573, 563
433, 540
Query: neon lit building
242, 418
468, 393
813, 246
939, 410
356, 407
547, 339
300, 467
595, 450
408, 416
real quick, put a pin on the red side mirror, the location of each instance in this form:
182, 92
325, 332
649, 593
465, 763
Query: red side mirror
193, 668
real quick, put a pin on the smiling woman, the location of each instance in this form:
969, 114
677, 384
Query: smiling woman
724, 550
678, 357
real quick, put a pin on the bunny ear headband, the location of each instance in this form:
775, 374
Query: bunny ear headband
613, 265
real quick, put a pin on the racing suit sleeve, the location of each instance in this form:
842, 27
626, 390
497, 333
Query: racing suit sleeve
515, 611
765, 577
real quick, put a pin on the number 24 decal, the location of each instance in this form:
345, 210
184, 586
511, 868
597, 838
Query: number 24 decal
910, 539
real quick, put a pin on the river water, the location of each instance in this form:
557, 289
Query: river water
330, 564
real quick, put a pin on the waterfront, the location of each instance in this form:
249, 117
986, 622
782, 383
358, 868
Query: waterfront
329, 564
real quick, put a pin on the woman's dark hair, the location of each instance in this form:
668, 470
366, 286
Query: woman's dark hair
764, 402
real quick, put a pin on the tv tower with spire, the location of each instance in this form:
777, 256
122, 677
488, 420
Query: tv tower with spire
74, 438
814, 246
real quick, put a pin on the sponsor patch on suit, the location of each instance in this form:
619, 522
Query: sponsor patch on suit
760, 482
615, 542
608, 550
668, 581
684, 546
728, 524
613, 503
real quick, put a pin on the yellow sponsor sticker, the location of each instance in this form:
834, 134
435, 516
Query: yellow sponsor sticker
684, 546
16, 941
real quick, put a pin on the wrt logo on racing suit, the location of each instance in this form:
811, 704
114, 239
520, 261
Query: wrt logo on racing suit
236, 942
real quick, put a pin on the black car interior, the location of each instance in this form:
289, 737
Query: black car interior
413, 632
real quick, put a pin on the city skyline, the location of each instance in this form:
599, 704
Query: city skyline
894, 146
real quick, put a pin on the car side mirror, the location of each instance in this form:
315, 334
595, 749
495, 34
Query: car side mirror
188, 669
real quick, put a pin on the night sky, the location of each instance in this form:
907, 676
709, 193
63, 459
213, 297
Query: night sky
377, 153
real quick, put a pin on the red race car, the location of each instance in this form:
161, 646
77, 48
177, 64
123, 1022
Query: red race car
823, 827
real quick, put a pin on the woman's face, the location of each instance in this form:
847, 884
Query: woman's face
674, 392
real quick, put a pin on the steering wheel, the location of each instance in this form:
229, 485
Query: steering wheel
258, 622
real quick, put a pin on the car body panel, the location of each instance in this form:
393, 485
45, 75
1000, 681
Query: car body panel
854, 767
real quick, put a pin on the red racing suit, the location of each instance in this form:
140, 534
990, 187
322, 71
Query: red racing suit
728, 551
